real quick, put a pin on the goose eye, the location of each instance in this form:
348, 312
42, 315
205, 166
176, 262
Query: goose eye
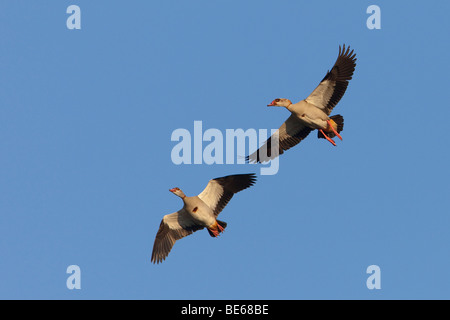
195, 209
277, 100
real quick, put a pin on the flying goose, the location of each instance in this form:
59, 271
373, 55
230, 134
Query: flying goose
198, 212
313, 112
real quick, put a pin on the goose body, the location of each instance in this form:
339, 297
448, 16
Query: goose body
306, 112
312, 113
198, 212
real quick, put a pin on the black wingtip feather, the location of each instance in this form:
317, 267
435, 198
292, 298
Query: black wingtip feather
237, 182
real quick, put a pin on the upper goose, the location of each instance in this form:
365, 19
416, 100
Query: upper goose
198, 212
313, 112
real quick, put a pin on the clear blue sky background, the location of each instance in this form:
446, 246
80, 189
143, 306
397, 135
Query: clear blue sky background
86, 118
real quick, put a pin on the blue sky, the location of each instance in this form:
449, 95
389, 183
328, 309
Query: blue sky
86, 118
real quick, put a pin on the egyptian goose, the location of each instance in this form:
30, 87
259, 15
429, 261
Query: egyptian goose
198, 212
313, 112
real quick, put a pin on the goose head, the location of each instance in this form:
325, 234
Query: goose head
280, 103
178, 192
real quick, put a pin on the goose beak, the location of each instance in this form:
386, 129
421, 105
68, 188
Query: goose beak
272, 104
173, 189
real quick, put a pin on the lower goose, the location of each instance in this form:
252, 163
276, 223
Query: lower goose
198, 212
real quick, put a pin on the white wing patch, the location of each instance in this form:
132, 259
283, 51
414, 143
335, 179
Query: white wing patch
322, 94
211, 194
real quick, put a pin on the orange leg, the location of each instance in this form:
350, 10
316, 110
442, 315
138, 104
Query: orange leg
214, 232
328, 138
216, 229
334, 130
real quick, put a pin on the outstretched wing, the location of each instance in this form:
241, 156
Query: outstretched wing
219, 191
291, 132
173, 227
333, 86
